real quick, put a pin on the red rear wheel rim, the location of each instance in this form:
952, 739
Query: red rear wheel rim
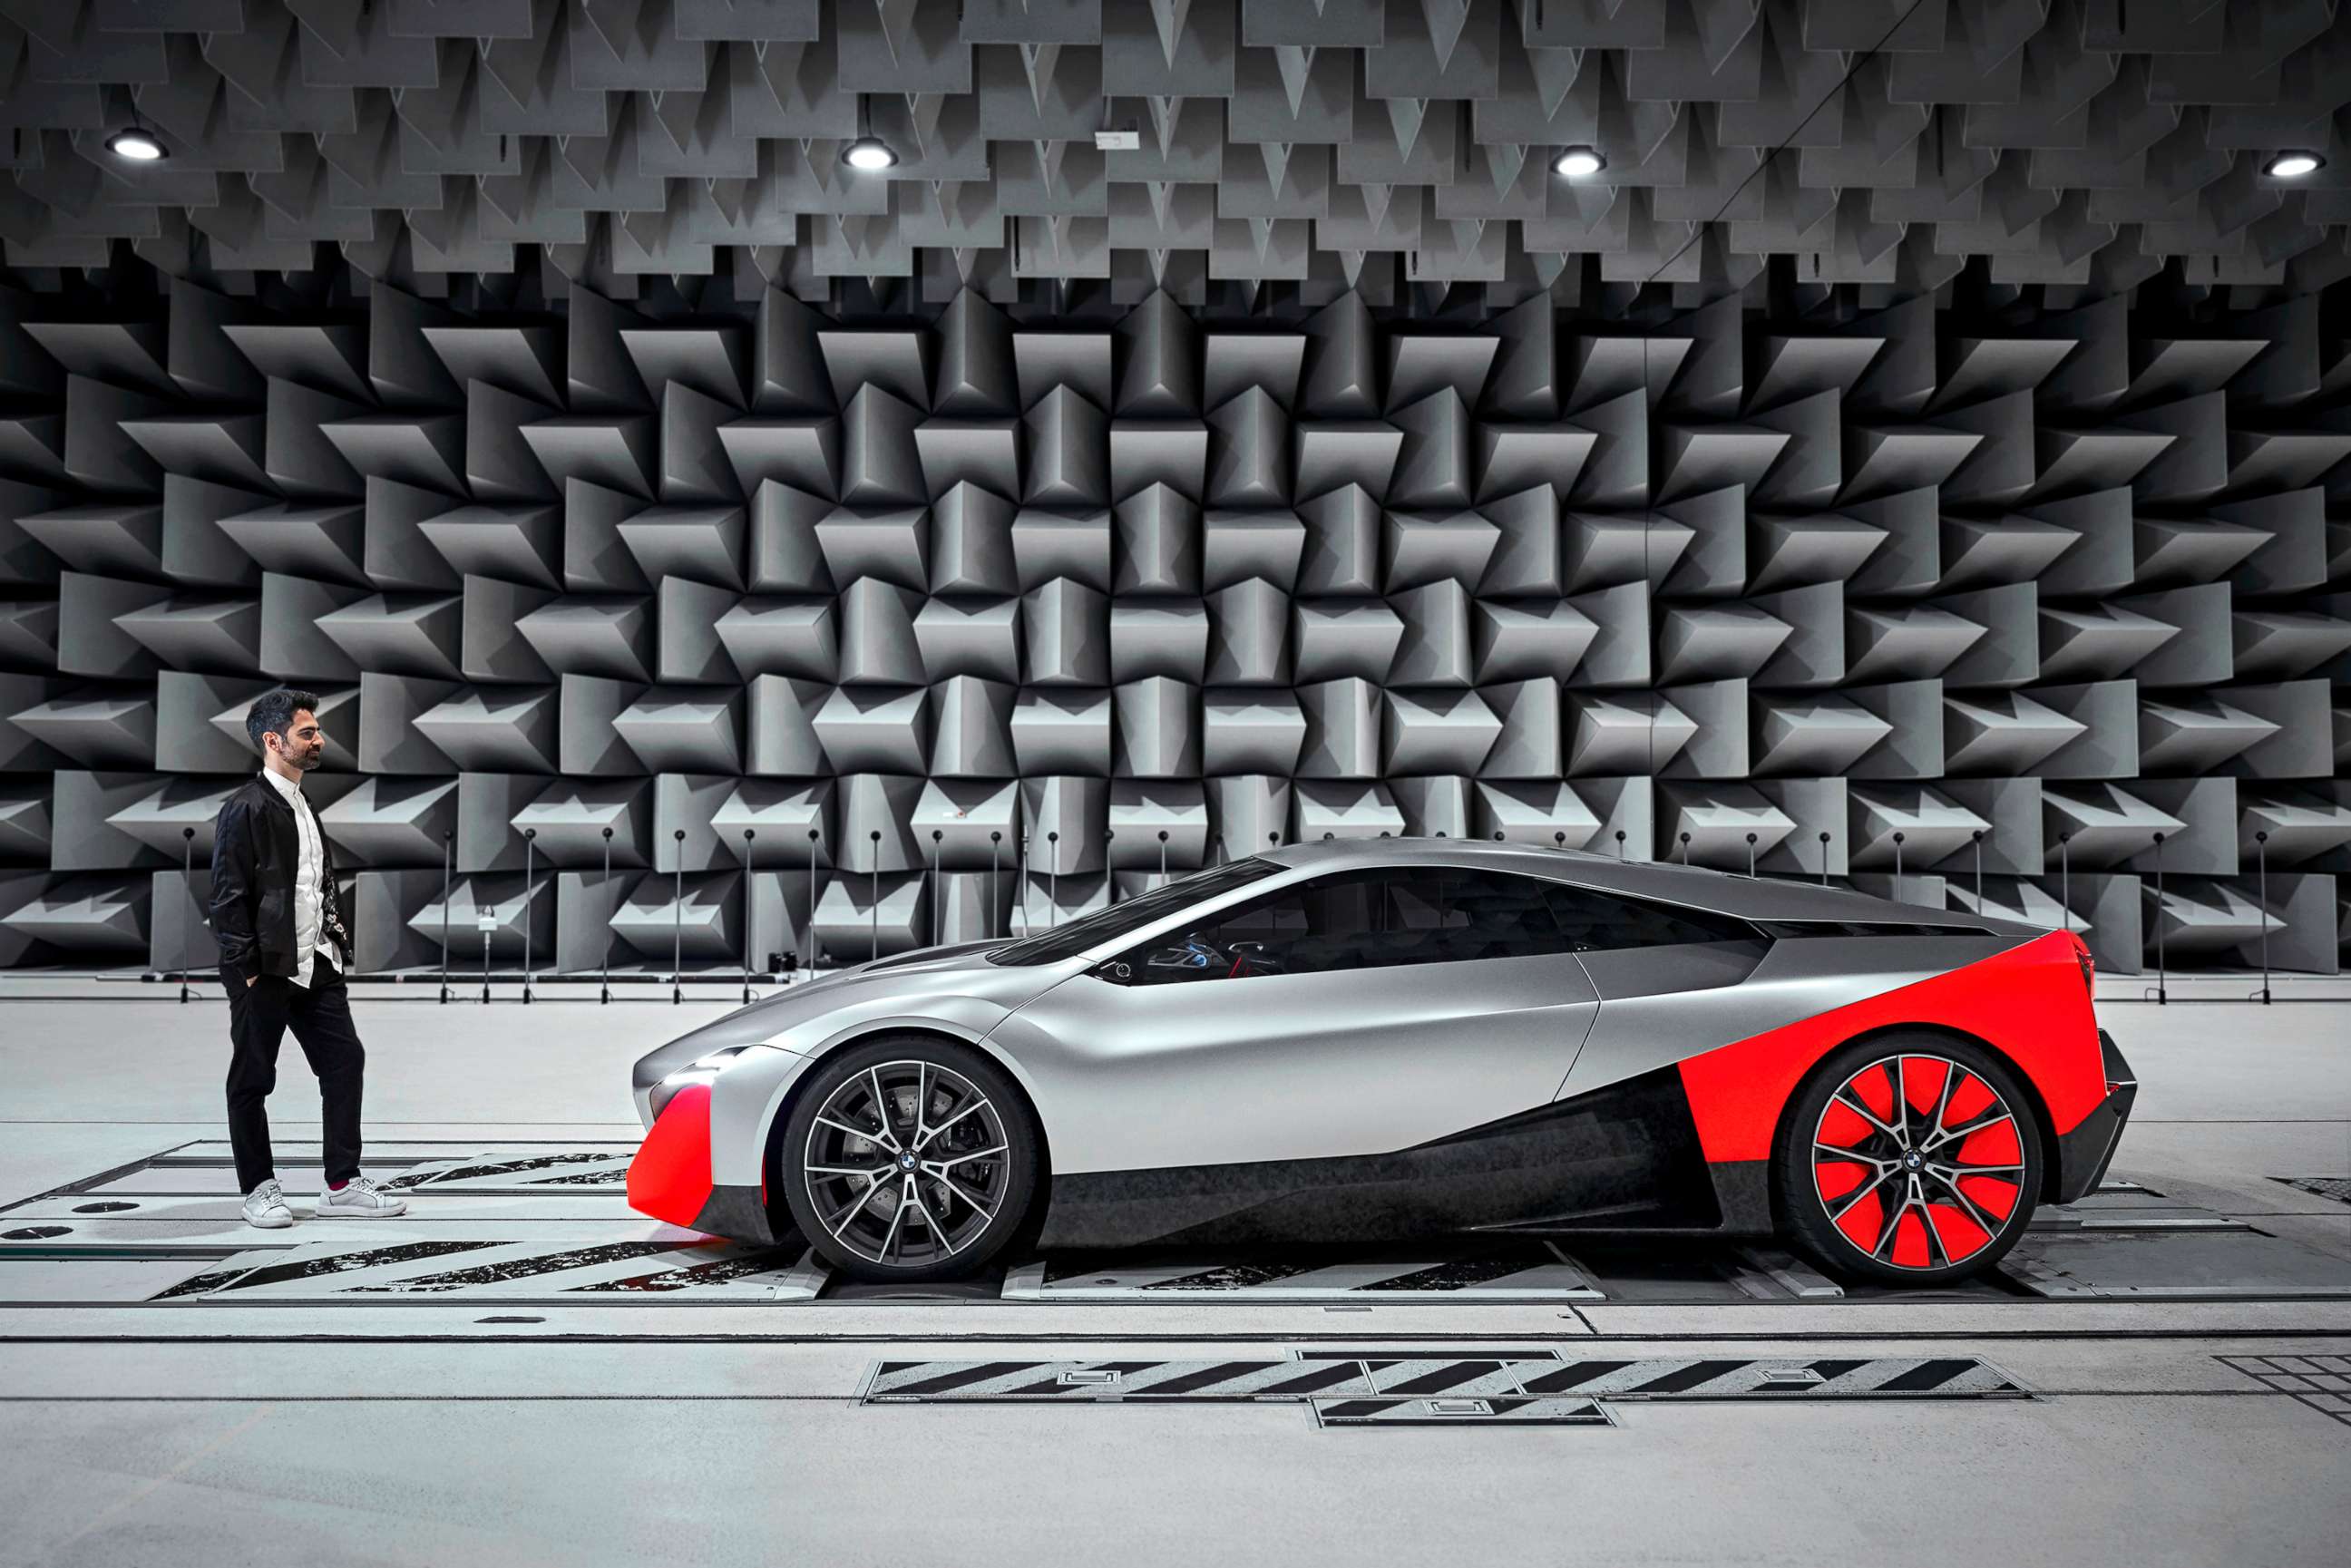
1918, 1161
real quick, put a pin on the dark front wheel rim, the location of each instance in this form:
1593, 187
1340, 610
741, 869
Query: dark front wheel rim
907, 1164
1918, 1162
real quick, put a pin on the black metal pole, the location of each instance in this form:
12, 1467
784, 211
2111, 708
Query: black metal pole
2162, 996
448, 841
678, 922
1163, 857
1750, 857
1824, 857
1685, 847
750, 932
2261, 844
529, 844
604, 985
994, 876
2064, 877
1027, 926
188, 897
873, 896
1052, 880
1110, 861
489, 926
811, 913
939, 914
1979, 838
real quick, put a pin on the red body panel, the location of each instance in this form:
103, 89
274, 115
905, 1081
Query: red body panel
670, 1177
2029, 1003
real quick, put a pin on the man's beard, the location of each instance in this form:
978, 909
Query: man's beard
306, 760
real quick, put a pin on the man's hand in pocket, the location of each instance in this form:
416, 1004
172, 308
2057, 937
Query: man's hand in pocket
249, 979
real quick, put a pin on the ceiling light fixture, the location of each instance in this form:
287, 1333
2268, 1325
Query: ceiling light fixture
136, 146
2293, 165
1579, 163
868, 153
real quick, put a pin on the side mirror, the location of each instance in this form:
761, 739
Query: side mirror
1114, 970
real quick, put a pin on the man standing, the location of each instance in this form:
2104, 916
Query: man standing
283, 951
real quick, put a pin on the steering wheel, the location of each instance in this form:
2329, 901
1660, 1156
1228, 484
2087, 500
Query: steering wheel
1197, 953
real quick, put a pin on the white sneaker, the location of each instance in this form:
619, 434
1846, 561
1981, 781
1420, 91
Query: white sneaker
265, 1206
359, 1198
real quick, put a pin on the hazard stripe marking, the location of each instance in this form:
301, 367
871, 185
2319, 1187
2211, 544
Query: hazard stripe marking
320, 1267
688, 1268
1389, 1381
1876, 1377
525, 1267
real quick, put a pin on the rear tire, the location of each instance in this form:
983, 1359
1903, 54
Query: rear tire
1909, 1158
908, 1158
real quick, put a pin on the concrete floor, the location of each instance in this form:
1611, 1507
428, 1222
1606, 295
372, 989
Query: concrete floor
648, 1431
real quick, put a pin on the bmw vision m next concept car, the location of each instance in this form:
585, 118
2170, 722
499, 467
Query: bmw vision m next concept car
1367, 1040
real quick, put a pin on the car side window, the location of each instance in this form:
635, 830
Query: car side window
1361, 920
1601, 922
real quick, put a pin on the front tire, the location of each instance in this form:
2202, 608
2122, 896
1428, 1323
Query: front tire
1909, 1159
908, 1158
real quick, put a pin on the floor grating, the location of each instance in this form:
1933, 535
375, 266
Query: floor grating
2321, 1382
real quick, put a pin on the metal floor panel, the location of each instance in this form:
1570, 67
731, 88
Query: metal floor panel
28, 1279
1527, 1275
2212, 1264
1459, 1412
2136, 1219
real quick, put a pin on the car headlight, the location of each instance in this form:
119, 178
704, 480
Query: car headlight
701, 1069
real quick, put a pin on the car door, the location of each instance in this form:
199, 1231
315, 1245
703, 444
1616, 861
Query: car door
1673, 982
1359, 1012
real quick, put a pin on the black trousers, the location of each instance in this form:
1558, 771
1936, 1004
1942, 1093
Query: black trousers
320, 1017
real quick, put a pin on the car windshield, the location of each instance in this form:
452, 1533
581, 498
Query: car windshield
1067, 941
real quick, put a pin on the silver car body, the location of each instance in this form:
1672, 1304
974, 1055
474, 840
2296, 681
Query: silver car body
1322, 1066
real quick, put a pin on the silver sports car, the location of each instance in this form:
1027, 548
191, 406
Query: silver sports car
1374, 1038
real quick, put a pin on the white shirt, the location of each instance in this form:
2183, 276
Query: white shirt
310, 882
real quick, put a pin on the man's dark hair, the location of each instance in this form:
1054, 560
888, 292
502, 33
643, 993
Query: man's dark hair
273, 713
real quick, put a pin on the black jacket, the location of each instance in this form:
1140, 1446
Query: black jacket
255, 848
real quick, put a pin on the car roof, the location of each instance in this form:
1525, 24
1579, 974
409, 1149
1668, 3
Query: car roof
1697, 887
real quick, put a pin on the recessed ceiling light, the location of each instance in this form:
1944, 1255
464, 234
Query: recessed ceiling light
1579, 163
137, 146
868, 153
2293, 165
